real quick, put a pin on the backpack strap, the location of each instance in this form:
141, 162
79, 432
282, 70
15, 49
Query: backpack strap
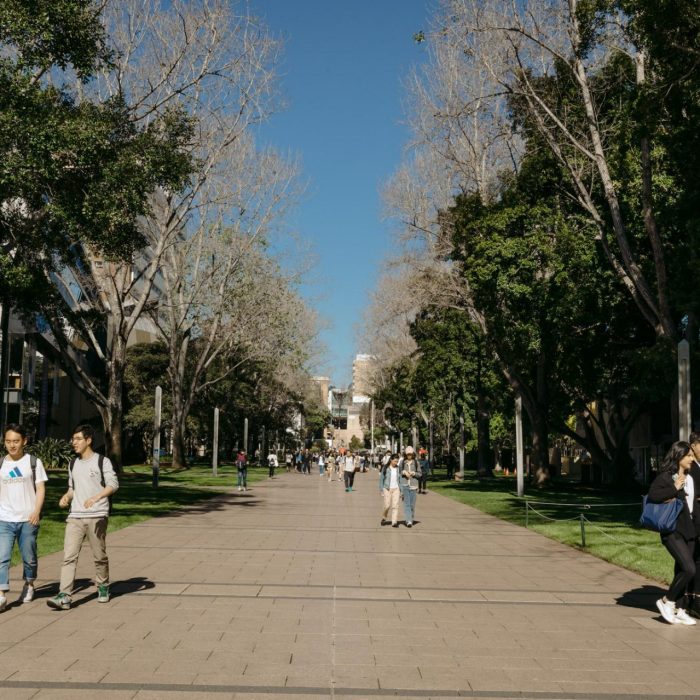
32, 462
101, 465
71, 464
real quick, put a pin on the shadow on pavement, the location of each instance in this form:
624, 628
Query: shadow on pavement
643, 598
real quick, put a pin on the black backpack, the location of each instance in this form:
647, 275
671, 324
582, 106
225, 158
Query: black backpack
100, 464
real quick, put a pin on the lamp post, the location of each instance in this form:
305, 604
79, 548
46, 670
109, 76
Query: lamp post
519, 451
156, 437
461, 447
215, 448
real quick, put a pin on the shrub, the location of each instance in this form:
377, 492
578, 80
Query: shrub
53, 453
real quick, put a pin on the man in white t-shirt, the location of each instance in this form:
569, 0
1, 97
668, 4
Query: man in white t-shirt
22, 490
91, 481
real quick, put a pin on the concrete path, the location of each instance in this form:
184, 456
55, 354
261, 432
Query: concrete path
293, 590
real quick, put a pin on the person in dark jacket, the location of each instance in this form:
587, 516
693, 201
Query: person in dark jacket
694, 586
672, 482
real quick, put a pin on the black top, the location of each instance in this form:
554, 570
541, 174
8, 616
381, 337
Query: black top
695, 474
662, 489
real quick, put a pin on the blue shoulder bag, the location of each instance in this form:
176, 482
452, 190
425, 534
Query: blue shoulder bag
661, 517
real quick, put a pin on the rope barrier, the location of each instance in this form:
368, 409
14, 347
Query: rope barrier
584, 505
583, 519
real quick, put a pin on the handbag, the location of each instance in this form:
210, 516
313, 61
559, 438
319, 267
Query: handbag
661, 517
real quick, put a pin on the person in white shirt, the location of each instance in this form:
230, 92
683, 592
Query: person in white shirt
22, 491
272, 464
389, 488
91, 481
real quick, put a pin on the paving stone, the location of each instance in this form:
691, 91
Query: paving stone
305, 591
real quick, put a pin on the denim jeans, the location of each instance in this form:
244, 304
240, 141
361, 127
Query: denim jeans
242, 476
25, 533
409, 503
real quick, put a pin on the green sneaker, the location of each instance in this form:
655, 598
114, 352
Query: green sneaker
62, 601
103, 593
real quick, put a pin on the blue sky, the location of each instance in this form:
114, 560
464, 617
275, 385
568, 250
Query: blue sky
341, 74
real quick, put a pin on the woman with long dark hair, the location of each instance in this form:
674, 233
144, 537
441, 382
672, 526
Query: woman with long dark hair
673, 482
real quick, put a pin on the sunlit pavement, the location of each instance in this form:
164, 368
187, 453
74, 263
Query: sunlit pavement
294, 590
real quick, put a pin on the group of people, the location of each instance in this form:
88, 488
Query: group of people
91, 483
402, 477
679, 478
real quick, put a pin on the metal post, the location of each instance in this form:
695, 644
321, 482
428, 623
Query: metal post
519, 449
263, 451
430, 446
215, 449
156, 437
684, 410
527, 513
401, 442
245, 436
371, 423
583, 531
461, 447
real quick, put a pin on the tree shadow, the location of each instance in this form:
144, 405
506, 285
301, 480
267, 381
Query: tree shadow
644, 597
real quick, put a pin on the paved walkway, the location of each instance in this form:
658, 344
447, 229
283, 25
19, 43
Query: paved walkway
293, 590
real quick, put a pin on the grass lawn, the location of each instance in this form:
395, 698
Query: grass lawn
612, 531
137, 500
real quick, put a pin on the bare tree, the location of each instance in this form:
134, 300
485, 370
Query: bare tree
222, 296
213, 60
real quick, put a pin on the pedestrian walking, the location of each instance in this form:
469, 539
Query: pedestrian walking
673, 482
349, 471
91, 483
272, 464
321, 464
288, 461
389, 488
242, 470
410, 473
424, 464
22, 491
693, 602
330, 466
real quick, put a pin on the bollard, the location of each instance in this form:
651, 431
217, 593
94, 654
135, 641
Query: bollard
583, 530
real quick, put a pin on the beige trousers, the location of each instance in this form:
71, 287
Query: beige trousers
391, 503
77, 529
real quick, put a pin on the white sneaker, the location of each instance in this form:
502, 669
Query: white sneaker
683, 617
668, 611
27, 595
3, 602
240, 488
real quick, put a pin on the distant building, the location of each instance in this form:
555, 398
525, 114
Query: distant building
362, 368
346, 405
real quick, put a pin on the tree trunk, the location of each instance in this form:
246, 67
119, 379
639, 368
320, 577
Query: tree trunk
484, 466
540, 447
179, 448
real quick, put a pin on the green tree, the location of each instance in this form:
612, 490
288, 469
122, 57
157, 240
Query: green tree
75, 182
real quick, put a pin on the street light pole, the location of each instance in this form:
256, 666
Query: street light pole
215, 456
519, 451
461, 447
156, 437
